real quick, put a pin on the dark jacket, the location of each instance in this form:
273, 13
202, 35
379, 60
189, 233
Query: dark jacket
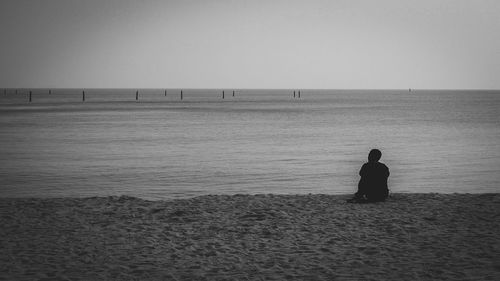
373, 182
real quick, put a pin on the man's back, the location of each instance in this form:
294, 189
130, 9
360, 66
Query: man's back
373, 180
375, 173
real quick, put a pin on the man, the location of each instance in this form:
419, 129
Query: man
372, 186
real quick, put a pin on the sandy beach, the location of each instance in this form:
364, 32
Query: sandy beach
252, 237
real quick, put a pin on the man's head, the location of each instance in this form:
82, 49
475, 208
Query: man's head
374, 155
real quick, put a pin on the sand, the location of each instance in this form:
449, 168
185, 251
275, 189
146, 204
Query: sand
252, 237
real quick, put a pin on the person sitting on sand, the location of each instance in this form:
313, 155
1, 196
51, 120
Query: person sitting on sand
372, 186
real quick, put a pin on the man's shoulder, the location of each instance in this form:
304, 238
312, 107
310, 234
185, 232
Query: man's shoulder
376, 165
383, 165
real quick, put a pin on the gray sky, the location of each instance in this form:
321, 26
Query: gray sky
250, 44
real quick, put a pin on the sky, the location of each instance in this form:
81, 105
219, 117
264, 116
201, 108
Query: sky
310, 44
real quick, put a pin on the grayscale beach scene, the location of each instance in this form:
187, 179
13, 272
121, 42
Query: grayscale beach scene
261, 140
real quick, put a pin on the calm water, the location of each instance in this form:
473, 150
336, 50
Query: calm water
256, 142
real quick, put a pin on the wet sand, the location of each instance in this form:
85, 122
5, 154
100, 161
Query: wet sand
252, 237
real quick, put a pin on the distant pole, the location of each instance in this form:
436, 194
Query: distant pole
137, 95
83, 95
222, 94
30, 96
299, 94
233, 93
50, 92
165, 92
293, 94
409, 90
181, 94
16, 91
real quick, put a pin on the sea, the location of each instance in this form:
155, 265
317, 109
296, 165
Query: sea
152, 144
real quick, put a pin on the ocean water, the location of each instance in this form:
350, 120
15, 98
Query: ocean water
259, 141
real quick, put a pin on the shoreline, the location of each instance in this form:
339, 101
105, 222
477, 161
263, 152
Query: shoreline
422, 236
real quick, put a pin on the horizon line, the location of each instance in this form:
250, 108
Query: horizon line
236, 88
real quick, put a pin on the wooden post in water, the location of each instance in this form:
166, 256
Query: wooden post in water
299, 94
30, 96
181, 94
4, 92
233, 93
293, 94
165, 92
16, 91
83, 95
137, 95
50, 92
223, 94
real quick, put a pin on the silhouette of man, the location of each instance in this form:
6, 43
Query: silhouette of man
372, 186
